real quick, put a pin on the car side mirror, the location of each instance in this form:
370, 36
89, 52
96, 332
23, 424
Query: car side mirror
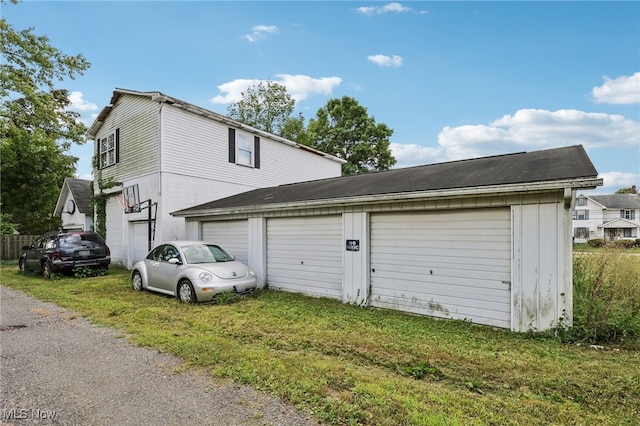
175, 261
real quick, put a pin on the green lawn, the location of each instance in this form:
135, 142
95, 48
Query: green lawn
349, 365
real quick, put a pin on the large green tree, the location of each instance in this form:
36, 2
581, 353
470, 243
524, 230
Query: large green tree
344, 128
269, 107
36, 127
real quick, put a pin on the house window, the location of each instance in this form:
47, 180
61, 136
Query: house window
581, 202
244, 149
581, 215
628, 214
626, 232
581, 233
108, 149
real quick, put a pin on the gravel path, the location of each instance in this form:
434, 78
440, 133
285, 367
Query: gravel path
56, 368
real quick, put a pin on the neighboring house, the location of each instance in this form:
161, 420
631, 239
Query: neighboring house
74, 205
486, 240
611, 217
156, 154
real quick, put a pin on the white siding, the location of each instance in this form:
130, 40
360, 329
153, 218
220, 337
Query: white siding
453, 264
198, 146
137, 119
232, 235
304, 254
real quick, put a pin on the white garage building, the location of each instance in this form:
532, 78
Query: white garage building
486, 240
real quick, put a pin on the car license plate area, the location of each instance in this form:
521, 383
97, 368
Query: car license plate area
84, 253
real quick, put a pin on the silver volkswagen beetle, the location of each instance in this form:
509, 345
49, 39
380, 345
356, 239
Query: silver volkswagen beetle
193, 271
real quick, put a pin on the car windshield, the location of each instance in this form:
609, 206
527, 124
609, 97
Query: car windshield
205, 253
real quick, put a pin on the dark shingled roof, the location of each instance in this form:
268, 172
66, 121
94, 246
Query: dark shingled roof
548, 165
618, 201
81, 192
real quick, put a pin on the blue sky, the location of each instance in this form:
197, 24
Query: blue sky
454, 80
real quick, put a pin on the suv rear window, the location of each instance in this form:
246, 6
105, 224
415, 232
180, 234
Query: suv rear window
77, 239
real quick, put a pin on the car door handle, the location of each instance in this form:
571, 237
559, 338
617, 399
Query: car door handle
155, 265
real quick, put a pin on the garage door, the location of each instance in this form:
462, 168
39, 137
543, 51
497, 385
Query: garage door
304, 255
231, 235
140, 232
451, 265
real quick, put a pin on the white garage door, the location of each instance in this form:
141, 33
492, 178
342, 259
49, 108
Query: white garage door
451, 265
231, 235
140, 232
304, 255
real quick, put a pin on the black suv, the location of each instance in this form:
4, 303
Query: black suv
63, 251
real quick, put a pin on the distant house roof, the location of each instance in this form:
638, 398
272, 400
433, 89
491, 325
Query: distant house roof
554, 165
618, 201
80, 190
160, 97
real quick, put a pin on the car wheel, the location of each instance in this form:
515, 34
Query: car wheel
22, 266
186, 294
136, 281
46, 270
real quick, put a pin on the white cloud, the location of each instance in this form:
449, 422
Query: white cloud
298, 86
301, 86
408, 155
386, 61
621, 90
78, 103
388, 8
527, 130
533, 129
259, 32
614, 181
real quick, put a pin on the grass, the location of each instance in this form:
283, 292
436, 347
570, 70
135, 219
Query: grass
349, 365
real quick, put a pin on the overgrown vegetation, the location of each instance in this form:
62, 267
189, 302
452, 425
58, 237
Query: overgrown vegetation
606, 297
352, 365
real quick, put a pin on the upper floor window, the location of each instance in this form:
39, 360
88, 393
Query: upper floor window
244, 149
581, 201
109, 147
581, 215
628, 214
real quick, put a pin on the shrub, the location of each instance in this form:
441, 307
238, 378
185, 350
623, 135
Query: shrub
606, 298
627, 244
596, 242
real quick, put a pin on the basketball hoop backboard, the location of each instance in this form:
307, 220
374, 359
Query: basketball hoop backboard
131, 199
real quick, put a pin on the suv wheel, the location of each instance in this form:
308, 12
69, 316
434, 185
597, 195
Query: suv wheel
46, 270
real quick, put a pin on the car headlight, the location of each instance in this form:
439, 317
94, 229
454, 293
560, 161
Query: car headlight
205, 276
253, 274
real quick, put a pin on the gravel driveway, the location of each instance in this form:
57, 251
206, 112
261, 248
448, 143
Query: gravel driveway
56, 368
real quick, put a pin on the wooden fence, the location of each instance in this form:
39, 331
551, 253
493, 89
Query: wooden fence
11, 245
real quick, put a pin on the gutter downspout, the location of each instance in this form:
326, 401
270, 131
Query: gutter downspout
160, 148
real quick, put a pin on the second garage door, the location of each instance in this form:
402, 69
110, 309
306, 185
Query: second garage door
231, 235
453, 265
304, 255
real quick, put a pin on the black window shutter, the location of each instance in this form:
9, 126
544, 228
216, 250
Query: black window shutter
256, 152
117, 145
232, 145
99, 154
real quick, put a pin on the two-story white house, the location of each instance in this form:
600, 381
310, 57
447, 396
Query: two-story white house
155, 154
610, 217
